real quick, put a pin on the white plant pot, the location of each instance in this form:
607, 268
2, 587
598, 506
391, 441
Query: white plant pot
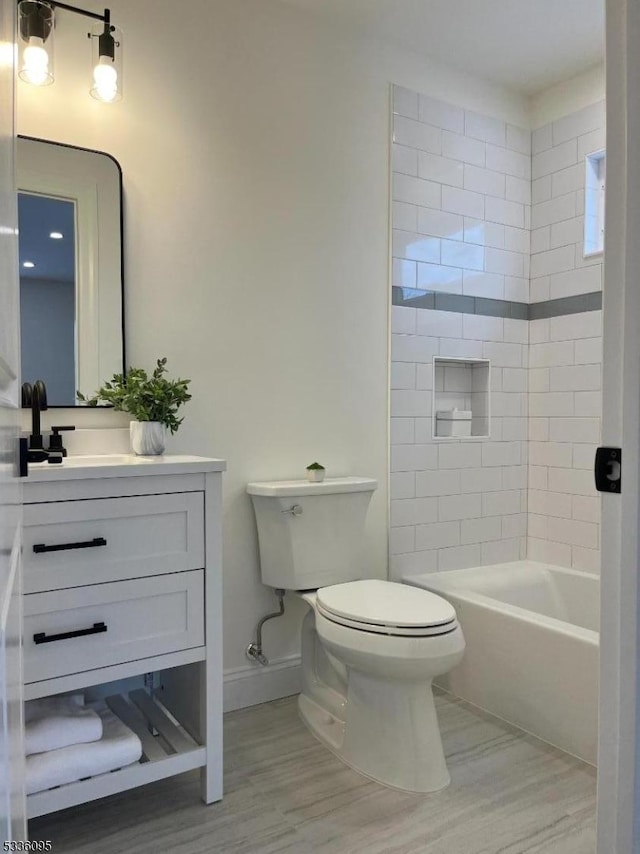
147, 438
315, 475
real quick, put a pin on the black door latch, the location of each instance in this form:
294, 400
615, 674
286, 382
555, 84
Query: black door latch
608, 470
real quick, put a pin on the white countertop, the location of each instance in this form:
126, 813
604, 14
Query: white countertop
84, 467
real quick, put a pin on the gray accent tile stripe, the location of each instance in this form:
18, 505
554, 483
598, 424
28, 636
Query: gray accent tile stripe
462, 304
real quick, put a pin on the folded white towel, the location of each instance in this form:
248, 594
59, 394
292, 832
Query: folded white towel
56, 722
117, 748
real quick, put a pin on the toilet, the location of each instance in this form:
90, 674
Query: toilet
370, 648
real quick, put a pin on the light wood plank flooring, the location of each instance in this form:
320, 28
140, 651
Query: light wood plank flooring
510, 794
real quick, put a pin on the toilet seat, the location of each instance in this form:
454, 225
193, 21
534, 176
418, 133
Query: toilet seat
385, 607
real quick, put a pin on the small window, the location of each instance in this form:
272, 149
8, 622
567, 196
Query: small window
595, 179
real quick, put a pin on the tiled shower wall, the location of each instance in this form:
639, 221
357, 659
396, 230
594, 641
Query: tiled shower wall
461, 211
463, 263
565, 354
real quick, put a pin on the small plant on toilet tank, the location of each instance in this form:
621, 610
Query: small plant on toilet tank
315, 473
153, 401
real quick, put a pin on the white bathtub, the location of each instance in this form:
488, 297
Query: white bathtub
532, 633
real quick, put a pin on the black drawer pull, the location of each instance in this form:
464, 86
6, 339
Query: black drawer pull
96, 629
39, 548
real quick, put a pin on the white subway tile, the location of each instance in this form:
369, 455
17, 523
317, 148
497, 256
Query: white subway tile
566, 232
413, 457
484, 181
584, 456
539, 289
413, 511
501, 453
515, 525
485, 128
516, 331
516, 240
460, 557
553, 261
402, 484
588, 351
500, 551
586, 509
588, 560
514, 379
575, 282
557, 554
508, 405
458, 254
555, 210
402, 432
570, 327
480, 530
508, 162
538, 526
541, 189
574, 533
404, 160
424, 426
501, 503
415, 247
463, 202
416, 191
439, 223
441, 114
424, 376
403, 375
571, 481
413, 348
541, 139
568, 180
514, 477
554, 159
459, 456
539, 331
417, 135
516, 288
501, 261
413, 563
462, 148
461, 349
402, 540
538, 478
575, 430
436, 483
481, 328
588, 404
541, 239
558, 454
518, 190
405, 102
576, 124
438, 536
403, 319
591, 142
459, 507
435, 277
544, 503
538, 380
504, 212
551, 404
575, 378
407, 404
477, 284
403, 273
502, 355
432, 167
519, 139
539, 429
404, 216
484, 233
478, 480
441, 324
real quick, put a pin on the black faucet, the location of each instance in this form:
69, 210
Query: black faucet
35, 396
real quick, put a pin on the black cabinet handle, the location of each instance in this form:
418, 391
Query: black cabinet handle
96, 629
39, 548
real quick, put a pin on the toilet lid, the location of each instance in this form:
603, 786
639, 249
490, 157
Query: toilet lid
386, 605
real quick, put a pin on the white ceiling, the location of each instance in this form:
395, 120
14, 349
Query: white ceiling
527, 45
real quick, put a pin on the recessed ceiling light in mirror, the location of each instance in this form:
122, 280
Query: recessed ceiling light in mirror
56, 235
28, 264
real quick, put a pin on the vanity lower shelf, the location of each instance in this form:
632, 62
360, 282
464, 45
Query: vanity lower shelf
172, 751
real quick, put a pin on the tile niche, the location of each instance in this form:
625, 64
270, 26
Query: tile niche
461, 403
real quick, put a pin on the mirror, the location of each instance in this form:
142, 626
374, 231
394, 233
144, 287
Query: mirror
71, 271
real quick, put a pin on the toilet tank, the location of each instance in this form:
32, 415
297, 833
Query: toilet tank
311, 534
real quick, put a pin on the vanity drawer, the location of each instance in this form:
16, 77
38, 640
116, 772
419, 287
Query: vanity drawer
72, 543
107, 624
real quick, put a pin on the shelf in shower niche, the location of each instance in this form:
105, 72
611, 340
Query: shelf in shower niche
171, 751
461, 399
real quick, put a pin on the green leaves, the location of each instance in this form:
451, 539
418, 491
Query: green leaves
315, 467
146, 398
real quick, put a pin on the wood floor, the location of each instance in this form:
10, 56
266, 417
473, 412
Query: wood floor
284, 792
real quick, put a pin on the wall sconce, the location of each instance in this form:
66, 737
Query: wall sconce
36, 26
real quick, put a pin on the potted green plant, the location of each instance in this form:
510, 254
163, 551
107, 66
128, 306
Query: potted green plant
315, 473
153, 401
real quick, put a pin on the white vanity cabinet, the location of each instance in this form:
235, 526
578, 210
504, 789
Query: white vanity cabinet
122, 577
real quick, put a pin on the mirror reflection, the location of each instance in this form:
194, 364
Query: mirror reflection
70, 224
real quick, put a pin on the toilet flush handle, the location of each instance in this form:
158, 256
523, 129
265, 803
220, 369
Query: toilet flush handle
295, 510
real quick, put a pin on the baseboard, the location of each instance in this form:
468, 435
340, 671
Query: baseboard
254, 684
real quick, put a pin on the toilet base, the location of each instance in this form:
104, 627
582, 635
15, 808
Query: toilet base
390, 734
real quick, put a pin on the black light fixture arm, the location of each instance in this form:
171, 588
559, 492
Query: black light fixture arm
106, 17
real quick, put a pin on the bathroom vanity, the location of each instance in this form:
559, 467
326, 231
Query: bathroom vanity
122, 581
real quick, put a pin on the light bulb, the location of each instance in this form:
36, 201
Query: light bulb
35, 63
105, 80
